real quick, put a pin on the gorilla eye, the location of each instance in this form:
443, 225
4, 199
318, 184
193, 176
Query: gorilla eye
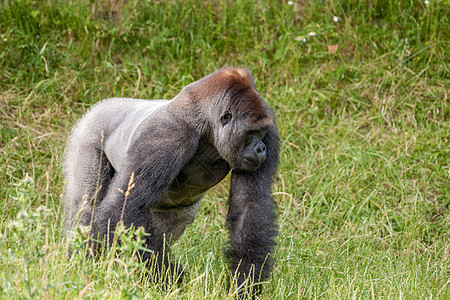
226, 118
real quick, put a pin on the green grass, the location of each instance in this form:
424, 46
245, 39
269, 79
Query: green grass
363, 185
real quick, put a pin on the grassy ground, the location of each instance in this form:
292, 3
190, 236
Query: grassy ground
363, 112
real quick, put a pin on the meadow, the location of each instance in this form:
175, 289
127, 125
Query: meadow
360, 91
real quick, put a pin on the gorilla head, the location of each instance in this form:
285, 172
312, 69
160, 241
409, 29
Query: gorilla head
238, 118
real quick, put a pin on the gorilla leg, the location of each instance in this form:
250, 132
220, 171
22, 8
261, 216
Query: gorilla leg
143, 202
173, 221
88, 174
162, 225
167, 226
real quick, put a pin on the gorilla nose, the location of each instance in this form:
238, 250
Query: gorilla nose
260, 151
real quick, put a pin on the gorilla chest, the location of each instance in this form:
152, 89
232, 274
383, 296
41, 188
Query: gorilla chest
202, 172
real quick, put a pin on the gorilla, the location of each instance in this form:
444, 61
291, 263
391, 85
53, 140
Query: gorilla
174, 151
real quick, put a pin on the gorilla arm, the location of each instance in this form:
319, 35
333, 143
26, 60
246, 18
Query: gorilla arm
155, 156
252, 217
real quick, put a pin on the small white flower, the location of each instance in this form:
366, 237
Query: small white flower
290, 2
22, 215
42, 210
427, 2
335, 19
312, 33
300, 38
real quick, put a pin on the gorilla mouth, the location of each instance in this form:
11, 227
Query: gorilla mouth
250, 164
251, 161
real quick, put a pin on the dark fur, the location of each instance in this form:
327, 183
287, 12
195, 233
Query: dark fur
177, 150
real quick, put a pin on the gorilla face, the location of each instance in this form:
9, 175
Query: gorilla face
240, 143
238, 119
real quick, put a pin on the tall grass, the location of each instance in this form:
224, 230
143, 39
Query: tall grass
362, 108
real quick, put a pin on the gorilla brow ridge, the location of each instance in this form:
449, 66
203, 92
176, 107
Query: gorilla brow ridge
244, 100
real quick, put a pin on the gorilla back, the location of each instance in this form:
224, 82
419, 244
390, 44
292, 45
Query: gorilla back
176, 151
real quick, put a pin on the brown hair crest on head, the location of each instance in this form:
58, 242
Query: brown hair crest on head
245, 101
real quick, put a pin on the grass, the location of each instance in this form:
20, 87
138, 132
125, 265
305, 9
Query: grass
362, 108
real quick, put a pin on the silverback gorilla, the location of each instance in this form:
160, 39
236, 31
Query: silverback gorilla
176, 151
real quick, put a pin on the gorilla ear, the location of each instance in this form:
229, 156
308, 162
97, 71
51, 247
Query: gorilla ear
226, 118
